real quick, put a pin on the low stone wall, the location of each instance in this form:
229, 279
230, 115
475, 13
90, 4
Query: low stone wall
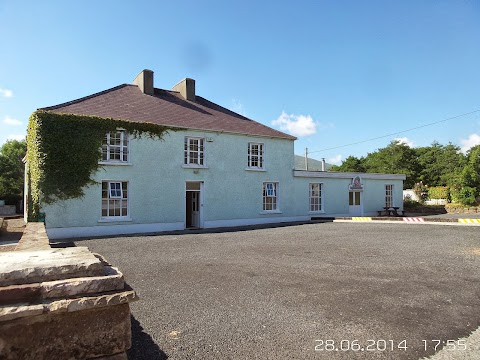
452, 209
426, 209
61, 303
34, 237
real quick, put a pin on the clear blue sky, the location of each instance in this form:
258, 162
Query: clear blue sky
331, 72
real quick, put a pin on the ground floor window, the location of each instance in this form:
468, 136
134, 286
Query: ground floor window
270, 200
316, 197
114, 199
389, 195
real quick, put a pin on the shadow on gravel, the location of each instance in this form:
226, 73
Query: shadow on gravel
57, 245
315, 220
143, 346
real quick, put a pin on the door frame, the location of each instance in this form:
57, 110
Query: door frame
200, 207
358, 208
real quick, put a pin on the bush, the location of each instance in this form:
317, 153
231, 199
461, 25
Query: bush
409, 203
421, 191
438, 192
466, 196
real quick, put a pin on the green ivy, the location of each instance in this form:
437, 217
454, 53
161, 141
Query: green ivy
64, 150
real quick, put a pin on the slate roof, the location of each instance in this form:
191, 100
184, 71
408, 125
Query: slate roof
165, 107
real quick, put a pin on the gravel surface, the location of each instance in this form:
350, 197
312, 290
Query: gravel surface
271, 293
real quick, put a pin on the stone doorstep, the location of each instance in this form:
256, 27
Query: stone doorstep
26, 267
113, 280
20, 310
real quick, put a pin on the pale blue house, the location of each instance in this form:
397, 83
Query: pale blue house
222, 169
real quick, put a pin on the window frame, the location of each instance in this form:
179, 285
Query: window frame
260, 156
111, 201
274, 203
108, 149
187, 153
354, 198
389, 195
319, 198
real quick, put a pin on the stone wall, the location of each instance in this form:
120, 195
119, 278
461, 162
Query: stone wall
452, 209
61, 303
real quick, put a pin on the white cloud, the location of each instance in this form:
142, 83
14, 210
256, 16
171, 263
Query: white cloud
11, 121
6, 92
238, 107
15, 137
473, 139
336, 160
406, 141
297, 125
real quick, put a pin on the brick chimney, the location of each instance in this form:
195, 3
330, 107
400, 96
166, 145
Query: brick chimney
144, 81
186, 88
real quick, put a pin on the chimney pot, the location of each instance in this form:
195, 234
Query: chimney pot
186, 88
144, 81
323, 164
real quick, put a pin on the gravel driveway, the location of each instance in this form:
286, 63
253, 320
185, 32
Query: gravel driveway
278, 293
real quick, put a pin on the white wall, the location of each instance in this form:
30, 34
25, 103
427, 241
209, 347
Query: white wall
336, 191
232, 195
157, 183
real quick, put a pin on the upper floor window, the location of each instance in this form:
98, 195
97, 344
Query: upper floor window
194, 151
115, 147
255, 155
316, 197
270, 196
389, 195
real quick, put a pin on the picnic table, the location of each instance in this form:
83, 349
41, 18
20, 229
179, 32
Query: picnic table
389, 211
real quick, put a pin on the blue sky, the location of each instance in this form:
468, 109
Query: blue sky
330, 72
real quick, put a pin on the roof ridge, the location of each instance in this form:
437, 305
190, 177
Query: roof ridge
84, 98
165, 107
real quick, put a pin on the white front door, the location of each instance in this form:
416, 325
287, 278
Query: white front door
355, 203
193, 204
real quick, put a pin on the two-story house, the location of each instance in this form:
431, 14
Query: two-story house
220, 169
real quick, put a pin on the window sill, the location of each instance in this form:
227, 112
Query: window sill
115, 219
194, 167
317, 212
115, 163
267, 212
254, 169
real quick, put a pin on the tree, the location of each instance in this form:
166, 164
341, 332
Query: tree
439, 163
351, 163
470, 175
396, 158
12, 170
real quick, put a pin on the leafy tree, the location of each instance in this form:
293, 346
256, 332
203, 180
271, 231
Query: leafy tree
439, 163
350, 164
12, 170
396, 158
470, 175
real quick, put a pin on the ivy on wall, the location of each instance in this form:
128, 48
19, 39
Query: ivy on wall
64, 150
